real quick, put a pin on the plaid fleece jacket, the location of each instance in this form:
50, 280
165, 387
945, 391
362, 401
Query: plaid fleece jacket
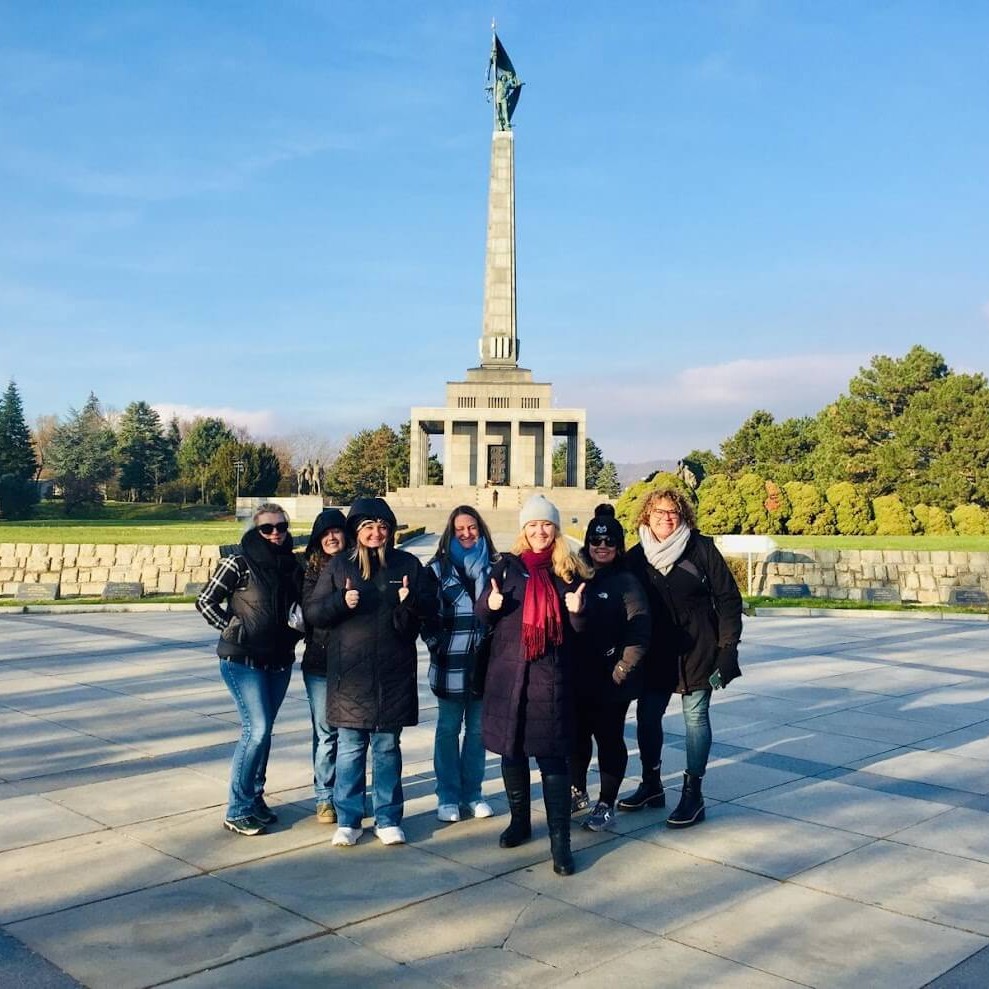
454, 640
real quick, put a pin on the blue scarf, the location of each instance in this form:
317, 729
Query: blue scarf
474, 563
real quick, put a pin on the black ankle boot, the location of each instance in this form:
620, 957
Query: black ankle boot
556, 796
649, 793
690, 810
519, 830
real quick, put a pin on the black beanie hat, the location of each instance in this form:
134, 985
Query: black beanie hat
370, 508
604, 523
329, 518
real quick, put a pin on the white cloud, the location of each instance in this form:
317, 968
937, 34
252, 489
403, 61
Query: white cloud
636, 414
258, 423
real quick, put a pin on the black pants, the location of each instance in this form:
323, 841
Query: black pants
603, 723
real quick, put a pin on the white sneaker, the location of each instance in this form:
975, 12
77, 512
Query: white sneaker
482, 808
346, 836
392, 835
448, 812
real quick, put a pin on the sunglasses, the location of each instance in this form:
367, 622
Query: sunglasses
267, 528
603, 541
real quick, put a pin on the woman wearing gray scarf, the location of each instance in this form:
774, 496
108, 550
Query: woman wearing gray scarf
696, 624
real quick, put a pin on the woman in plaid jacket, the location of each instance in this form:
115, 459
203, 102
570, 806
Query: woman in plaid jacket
458, 573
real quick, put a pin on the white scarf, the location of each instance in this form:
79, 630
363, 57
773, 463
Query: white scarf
662, 556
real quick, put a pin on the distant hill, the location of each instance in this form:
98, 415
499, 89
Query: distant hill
629, 473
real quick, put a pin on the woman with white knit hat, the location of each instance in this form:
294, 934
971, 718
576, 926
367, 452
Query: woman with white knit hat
534, 603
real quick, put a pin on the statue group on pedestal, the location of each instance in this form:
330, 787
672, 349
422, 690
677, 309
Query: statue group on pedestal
309, 478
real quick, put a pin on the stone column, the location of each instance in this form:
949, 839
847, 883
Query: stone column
514, 454
548, 453
581, 454
448, 451
499, 335
415, 454
482, 452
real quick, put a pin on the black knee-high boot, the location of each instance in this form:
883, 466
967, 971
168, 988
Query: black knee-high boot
556, 796
519, 830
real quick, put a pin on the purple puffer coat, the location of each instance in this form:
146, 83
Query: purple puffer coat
541, 688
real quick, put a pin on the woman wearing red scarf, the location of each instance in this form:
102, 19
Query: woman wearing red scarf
533, 602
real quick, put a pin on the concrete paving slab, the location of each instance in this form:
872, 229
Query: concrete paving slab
971, 742
845, 806
646, 968
828, 941
324, 961
25, 969
868, 724
337, 886
929, 885
141, 798
958, 706
643, 885
957, 832
199, 838
817, 746
730, 779
895, 681
31, 820
937, 768
973, 973
766, 844
44, 878
143, 938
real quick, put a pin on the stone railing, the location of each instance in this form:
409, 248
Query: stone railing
926, 577
86, 569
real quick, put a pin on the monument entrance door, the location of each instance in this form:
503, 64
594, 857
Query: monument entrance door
498, 463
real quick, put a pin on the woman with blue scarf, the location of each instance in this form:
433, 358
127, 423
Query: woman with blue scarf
460, 571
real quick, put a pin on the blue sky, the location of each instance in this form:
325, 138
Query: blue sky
276, 211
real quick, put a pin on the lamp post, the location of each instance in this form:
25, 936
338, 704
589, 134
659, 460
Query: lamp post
239, 468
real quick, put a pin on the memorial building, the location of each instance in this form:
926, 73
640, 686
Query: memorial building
498, 427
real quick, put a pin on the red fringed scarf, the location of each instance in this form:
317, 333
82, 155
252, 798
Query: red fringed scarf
542, 624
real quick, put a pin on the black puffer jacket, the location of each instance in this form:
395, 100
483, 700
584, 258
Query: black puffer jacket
696, 617
371, 653
542, 687
274, 577
618, 628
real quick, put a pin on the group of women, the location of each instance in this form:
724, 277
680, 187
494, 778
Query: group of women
534, 653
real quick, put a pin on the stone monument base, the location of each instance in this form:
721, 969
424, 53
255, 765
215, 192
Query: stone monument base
302, 509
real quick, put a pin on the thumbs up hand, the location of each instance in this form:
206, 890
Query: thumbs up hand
495, 599
574, 600
403, 591
351, 596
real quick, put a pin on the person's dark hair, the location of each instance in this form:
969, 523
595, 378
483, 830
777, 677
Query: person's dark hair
443, 547
683, 505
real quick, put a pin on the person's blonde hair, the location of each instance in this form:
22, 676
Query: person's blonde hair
566, 563
269, 508
363, 557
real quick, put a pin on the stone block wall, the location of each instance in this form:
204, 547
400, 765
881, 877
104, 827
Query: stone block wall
85, 569
922, 576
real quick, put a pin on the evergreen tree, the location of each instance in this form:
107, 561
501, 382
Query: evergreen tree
362, 469
719, 506
143, 452
16, 450
259, 472
853, 512
204, 438
608, 483
81, 455
892, 516
810, 514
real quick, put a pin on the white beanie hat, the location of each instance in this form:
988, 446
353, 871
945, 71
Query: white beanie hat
539, 507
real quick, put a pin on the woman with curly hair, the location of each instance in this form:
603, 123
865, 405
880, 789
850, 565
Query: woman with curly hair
533, 601
696, 624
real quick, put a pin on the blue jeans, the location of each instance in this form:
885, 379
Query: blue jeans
324, 739
459, 770
649, 713
386, 772
258, 695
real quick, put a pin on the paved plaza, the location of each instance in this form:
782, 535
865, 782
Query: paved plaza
847, 839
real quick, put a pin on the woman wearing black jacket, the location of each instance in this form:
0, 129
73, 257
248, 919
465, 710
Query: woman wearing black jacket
369, 598
326, 540
250, 598
696, 624
607, 671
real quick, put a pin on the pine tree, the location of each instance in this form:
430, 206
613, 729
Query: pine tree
16, 450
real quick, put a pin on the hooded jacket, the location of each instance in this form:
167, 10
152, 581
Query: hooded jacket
371, 649
314, 657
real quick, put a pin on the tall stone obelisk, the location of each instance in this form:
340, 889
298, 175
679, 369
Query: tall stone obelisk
499, 343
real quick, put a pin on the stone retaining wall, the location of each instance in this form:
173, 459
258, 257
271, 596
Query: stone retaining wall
926, 577
86, 569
